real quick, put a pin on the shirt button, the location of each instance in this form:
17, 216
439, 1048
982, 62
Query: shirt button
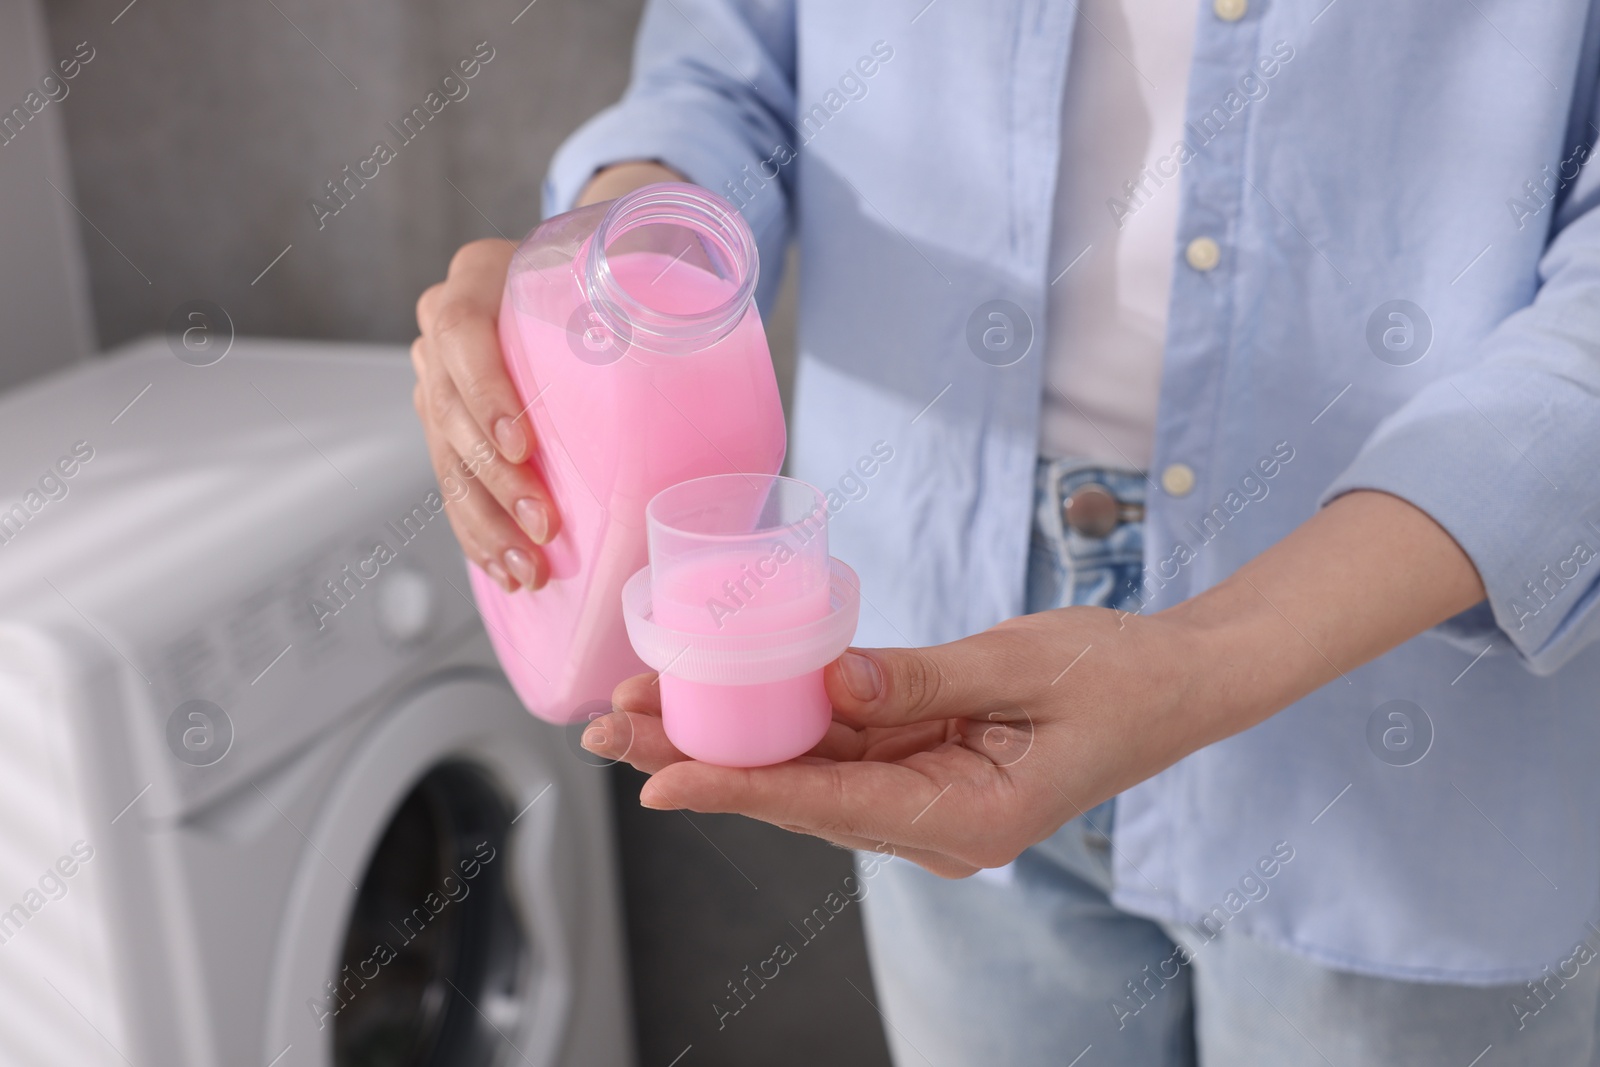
1178, 479
1230, 10
1202, 253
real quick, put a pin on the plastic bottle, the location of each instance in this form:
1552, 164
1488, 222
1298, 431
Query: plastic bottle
631, 333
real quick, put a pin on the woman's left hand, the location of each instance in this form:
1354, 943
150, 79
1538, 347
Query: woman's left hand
957, 756
962, 755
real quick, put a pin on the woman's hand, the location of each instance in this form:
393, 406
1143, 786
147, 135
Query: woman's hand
962, 755
478, 432
478, 435
957, 756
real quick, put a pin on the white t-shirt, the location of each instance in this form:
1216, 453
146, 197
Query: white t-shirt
1112, 242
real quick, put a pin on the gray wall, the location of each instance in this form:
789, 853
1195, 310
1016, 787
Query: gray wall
43, 304
200, 131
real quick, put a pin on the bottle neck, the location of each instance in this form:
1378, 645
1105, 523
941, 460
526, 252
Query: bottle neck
693, 229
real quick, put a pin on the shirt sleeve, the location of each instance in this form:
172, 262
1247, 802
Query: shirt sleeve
1506, 457
712, 96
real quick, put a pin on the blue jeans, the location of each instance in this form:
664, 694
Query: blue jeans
1033, 966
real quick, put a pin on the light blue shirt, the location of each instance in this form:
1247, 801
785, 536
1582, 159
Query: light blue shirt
1407, 298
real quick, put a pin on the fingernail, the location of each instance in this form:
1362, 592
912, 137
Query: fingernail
535, 519
498, 573
650, 797
511, 438
518, 563
861, 676
594, 737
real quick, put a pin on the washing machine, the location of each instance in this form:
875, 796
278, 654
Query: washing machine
266, 799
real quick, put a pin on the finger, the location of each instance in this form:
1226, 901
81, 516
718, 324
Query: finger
642, 694
942, 865
946, 801
936, 862
894, 686
460, 317
515, 488
638, 694
894, 743
485, 532
443, 459
632, 737
846, 743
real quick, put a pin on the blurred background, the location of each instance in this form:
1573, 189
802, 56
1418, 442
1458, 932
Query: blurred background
195, 139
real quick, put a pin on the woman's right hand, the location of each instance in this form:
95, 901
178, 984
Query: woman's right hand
478, 434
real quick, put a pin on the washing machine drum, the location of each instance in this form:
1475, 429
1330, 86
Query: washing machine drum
454, 948
433, 922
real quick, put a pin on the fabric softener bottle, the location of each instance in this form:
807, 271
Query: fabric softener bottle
631, 333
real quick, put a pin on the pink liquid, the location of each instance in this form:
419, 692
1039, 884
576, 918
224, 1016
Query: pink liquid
742, 591
610, 436
739, 591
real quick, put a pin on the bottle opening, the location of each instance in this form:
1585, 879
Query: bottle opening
672, 267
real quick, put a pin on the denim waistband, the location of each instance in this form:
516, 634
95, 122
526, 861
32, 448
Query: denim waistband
1069, 568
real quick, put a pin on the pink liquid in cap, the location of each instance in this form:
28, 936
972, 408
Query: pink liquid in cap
630, 332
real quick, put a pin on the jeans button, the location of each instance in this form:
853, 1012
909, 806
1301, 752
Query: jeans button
1091, 510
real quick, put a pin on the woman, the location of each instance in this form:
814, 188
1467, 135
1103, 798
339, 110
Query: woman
1241, 368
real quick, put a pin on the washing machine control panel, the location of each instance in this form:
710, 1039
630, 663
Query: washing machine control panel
407, 606
293, 657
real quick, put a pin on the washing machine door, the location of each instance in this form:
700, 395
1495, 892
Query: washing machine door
430, 921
